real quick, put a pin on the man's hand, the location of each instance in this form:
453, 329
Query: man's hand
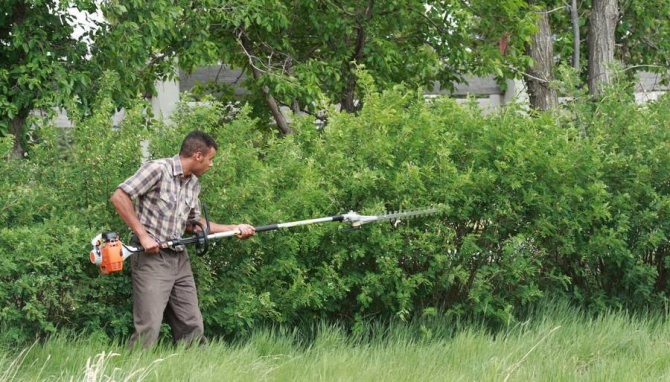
246, 231
149, 244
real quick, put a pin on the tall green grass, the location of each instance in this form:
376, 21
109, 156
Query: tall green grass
558, 343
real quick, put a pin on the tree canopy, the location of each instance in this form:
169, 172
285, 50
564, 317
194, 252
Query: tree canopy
40, 63
299, 53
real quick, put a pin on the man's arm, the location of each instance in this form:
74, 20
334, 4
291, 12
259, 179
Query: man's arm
246, 230
125, 209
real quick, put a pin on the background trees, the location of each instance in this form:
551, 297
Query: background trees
597, 36
601, 38
299, 53
41, 65
542, 95
304, 54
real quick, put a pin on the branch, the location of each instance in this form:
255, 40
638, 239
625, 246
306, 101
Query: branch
216, 79
645, 66
318, 114
341, 9
243, 41
649, 43
246, 45
440, 28
515, 70
553, 10
237, 80
361, 35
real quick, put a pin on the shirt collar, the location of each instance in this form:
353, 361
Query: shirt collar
177, 170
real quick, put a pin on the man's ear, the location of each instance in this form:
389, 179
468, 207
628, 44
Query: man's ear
197, 156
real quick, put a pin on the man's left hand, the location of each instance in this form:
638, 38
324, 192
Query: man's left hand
246, 231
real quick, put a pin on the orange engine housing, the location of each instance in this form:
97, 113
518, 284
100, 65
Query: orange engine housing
112, 256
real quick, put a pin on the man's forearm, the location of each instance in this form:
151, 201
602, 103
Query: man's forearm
216, 227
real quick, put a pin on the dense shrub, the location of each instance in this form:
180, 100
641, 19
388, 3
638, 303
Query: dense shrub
53, 203
575, 205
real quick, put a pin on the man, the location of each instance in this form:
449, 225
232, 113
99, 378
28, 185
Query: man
166, 192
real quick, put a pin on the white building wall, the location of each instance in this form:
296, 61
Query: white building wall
484, 90
166, 99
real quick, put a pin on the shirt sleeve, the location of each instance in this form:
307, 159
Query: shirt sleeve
143, 180
195, 212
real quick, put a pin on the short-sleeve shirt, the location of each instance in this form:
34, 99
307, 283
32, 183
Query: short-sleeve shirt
165, 199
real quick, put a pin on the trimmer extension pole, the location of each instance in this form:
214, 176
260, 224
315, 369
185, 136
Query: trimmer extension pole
273, 227
109, 255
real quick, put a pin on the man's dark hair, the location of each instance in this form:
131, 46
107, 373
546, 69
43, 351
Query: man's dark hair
197, 141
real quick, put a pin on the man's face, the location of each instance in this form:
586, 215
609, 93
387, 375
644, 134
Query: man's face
203, 161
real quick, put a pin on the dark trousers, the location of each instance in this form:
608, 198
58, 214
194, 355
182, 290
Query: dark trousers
163, 285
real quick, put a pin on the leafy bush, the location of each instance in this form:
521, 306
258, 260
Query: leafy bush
533, 205
52, 205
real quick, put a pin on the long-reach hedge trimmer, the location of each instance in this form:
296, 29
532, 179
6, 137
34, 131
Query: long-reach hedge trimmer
109, 252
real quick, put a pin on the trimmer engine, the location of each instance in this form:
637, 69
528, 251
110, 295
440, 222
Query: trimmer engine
107, 252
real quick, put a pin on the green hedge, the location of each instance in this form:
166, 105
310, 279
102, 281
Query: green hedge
571, 204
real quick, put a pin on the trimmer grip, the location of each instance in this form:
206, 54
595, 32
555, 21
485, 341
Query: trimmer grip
264, 228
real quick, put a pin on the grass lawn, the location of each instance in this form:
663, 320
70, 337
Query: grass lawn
558, 344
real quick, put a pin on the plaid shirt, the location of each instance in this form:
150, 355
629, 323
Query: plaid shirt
165, 199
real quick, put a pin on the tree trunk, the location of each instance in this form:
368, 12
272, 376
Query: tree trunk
348, 102
18, 123
16, 127
279, 118
602, 25
541, 50
574, 17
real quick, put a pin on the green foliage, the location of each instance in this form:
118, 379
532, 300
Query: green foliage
307, 51
40, 61
6, 144
530, 211
139, 41
573, 204
50, 207
638, 20
45, 64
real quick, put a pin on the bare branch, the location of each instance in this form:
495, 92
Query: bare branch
521, 72
645, 66
250, 58
553, 10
